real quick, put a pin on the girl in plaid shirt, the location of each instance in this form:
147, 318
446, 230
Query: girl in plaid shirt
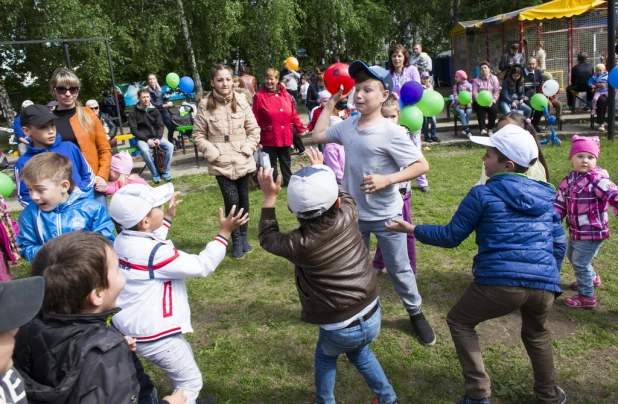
583, 197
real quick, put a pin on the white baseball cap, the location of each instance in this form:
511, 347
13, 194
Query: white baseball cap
312, 191
514, 142
26, 104
133, 202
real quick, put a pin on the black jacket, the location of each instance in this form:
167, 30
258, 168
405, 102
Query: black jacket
78, 358
334, 275
532, 81
146, 124
106, 119
581, 73
312, 96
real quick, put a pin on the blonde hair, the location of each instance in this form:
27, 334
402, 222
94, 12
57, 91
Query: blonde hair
157, 86
272, 72
48, 166
391, 103
600, 66
66, 77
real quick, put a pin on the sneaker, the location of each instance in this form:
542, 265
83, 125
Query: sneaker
435, 139
490, 132
156, 179
423, 330
601, 128
581, 302
381, 270
166, 177
468, 400
427, 139
562, 399
596, 282
425, 189
376, 401
483, 132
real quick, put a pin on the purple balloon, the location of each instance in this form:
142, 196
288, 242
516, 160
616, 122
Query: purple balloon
411, 93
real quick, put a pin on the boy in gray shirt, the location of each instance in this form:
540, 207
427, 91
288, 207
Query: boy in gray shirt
376, 149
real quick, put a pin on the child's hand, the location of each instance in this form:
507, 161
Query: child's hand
132, 343
400, 226
314, 155
269, 187
171, 206
233, 221
100, 185
177, 398
336, 98
374, 182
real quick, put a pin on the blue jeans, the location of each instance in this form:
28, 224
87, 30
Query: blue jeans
101, 198
464, 115
523, 108
147, 156
354, 343
394, 247
580, 254
167, 121
426, 121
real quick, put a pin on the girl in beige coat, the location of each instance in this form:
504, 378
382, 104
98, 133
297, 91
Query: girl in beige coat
227, 134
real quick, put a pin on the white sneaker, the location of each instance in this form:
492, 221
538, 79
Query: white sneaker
601, 128
484, 132
490, 132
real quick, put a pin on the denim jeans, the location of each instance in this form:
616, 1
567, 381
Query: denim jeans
147, 156
394, 247
580, 254
101, 198
464, 115
426, 121
167, 121
523, 108
354, 343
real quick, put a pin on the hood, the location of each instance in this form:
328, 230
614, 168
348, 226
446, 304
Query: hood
604, 75
76, 196
522, 193
37, 150
139, 107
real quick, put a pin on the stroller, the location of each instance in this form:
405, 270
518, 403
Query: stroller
182, 117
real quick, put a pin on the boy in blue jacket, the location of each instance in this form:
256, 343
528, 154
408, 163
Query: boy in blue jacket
39, 124
521, 246
58, 206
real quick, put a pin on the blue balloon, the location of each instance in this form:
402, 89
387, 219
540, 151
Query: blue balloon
186, 84
613, 78
401, 104
411, 93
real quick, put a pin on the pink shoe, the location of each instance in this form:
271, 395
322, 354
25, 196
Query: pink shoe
581, 302
596, 283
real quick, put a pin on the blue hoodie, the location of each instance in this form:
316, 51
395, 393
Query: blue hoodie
79, 212
520, 239
82, 172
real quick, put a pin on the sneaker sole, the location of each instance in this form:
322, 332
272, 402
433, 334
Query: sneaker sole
432, 343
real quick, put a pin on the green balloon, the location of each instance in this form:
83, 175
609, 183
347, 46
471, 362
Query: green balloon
6, 185
172, 80
464, 97
484, 98
411, 117
539, 102
431, 104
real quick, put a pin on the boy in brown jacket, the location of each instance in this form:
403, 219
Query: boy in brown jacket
336, 282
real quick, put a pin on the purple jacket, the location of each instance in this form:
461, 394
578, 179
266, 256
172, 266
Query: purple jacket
409, 73
490, 83
334, 157
459, 87
584, 199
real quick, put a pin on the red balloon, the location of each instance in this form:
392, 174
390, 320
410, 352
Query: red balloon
337, 75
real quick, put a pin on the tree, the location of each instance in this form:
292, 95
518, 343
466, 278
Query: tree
185, 32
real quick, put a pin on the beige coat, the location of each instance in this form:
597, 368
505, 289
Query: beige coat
227, 139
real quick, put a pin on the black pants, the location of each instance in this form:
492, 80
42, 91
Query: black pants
235, 192
298, 143
602, 109
145, 384
284, 155
167, 121
580, 89
480, 114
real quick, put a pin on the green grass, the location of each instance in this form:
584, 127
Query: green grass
252, 348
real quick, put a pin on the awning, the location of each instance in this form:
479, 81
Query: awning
559, 9
462, 26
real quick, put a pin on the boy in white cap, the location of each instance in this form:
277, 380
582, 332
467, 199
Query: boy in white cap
154, 301
521, 248
336, 283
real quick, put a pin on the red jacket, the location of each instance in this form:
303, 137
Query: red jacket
314, 118
275, 113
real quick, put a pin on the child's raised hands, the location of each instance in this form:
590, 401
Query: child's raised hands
172, 205
233, 221
268, 186
314, 155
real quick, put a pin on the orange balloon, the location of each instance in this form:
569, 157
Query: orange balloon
291, 63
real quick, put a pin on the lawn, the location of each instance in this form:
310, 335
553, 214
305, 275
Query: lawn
252, 348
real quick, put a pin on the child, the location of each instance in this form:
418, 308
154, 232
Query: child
20, 301
464, 111
423, 64
334, 154
323, 97
59, 207
599, 83
583, 198
427, 120
8, 242
304, 87
39, 123
69, 353
521, 247
120, 173
390, 110
155, 271
338, 291
380, 148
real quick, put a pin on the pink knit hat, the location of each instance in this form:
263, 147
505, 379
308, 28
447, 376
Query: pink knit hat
590, 144
461, 74
122, 163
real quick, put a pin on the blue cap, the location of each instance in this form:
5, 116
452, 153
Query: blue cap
376, 71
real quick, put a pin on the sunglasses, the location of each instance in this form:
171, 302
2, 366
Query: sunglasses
63, 90
94, 108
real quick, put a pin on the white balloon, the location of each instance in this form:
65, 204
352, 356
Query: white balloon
551, 87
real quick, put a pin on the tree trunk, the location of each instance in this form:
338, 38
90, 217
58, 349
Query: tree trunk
5, 107
456, 8
185, 32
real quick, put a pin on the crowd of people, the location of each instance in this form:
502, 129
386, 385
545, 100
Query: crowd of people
66, 339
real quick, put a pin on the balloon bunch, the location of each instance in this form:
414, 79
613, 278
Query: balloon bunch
418, 103
6, 185
185, 83
540, 103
